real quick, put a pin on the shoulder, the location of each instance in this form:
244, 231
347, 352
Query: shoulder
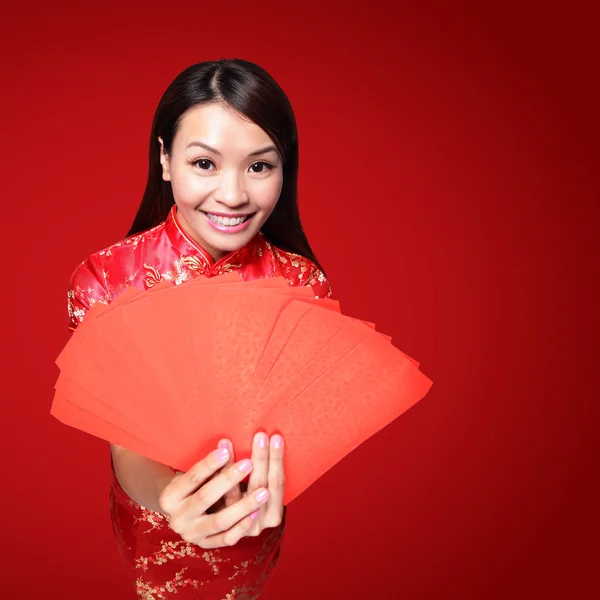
89, 283
119, 252
300, 271
126, 247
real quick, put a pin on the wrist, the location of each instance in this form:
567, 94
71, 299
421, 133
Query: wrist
163, 479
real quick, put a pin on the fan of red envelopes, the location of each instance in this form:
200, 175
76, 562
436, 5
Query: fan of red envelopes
170, 371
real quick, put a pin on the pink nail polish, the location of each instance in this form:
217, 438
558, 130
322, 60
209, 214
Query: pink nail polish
245, 465
262, 440
222, 454
224, 444
277, 441
254, 514
262, 496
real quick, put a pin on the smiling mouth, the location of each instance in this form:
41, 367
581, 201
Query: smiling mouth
227, 221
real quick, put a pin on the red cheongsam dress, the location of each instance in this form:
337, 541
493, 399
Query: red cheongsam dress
161, 564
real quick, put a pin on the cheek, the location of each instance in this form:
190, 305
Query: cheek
266, 193
188, 187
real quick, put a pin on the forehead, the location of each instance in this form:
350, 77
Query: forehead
220, 127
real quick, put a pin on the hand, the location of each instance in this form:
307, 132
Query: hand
268, 471
188, 496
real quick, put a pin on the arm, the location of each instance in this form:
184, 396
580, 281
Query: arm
142, 479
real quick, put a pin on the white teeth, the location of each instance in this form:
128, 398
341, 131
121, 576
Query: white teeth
227, 221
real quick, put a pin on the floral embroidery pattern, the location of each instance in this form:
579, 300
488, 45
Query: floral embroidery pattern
145, 515
168, 551
213, 558
147, 591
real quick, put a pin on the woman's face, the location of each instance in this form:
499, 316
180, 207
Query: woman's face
226, 176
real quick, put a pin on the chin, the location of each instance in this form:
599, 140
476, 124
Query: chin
230, 246
228, 242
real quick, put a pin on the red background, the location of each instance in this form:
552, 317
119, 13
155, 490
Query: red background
449, 184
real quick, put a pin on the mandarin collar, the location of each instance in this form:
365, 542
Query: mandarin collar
188, 247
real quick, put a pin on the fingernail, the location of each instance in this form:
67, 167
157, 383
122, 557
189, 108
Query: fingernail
277, 441
254, 514
262, 496
222, 454
245, 465
224, 444
261, 439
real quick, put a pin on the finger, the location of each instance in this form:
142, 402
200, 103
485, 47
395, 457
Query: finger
235, 493
224, 527
180, 488
233, 535
275, 482
258, 477
260, 462
217, 487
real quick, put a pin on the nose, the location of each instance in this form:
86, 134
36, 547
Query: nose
232, 190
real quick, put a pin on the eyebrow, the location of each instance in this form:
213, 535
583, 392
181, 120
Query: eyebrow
215, 151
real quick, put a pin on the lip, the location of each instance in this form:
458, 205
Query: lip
227, 228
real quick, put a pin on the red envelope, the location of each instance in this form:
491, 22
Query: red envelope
169, 372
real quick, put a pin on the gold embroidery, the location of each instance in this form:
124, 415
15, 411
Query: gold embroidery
76, 313
147, 591
133, 240
296, 269
153, 276
173, 550
168, 551
268, 542
212, 560
272, 538
154, 519
227, 268
78, 297
240, 569
181, 273
193, 263
243, 593
124, 285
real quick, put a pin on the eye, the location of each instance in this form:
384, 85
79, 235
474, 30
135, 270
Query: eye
203, 163
267, 167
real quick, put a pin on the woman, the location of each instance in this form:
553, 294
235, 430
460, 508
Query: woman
221, 196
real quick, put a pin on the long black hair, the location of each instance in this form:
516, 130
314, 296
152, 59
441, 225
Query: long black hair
251, 91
